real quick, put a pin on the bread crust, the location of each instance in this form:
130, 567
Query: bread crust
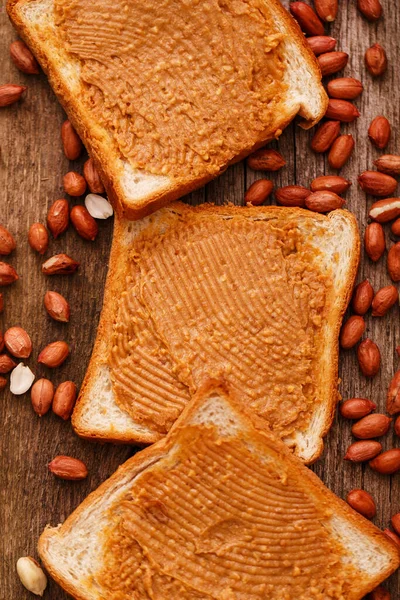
148, 456
115, 285
332, 350
96, 140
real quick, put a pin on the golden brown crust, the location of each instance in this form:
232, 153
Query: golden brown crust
335, 324
95, 139
116, 281
139, 462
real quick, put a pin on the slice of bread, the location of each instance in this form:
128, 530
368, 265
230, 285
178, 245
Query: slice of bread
135, 399
160, 61
218, 509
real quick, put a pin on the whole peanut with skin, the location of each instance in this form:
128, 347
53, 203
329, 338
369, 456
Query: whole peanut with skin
327, 9
320, 44
307, 18
352, 331
66, 467
23, 58
292, 195
64, 399
330, 183
341, 150
325, 135
345, 88
42, 393
369, 358
258, 192
85, 224
57, 307
362, 297
374, 241
74, 184
384, 299
371, 9
10, 93
38, 238
18, 342
362, 502
363, 450
376, 60
266, 159
386, 463
71, 141
379, 132
371, 426
356, 408
332, 62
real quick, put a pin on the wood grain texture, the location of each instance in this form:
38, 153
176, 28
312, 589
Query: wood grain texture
31, 167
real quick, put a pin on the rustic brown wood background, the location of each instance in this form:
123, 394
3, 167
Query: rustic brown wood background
32, 165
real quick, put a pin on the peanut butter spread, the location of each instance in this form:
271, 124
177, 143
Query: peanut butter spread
182, 86
217, 518
233, 297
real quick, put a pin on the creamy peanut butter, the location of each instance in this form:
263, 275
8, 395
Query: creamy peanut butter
220, 297
182, 86
216, 519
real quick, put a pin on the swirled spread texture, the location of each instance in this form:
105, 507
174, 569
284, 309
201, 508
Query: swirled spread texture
219, 517
182, 86
237, 298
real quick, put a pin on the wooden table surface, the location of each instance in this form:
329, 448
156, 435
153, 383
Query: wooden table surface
32, 165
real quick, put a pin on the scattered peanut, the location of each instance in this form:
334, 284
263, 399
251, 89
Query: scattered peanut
341, 151
54, 354
362, 502
71, 141
38, 238
371, 426
257, 193
42, 393
384, 299
58, 217
18, 342
379, 132
352, 331
23, 58
376, 60
292, 195
363, 451
356, 408
57, 307
263, 159
369, 358
31, 575
74, 184
60, 264
66, 467
386, 463
7, 242
64, 399
362, 297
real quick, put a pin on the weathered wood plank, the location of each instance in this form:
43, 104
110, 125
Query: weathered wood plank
31, 167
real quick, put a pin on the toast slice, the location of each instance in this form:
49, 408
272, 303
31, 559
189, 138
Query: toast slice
218, 509
165, 95
255, 295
